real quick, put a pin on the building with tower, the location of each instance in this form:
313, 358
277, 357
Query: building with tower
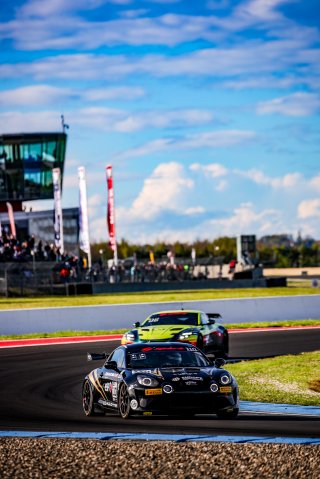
26, 164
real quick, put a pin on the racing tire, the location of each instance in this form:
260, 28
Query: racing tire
124, 402
87, 399
227, 415
200, 342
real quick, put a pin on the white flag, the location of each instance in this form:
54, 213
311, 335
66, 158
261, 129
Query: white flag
58, 222
84, 241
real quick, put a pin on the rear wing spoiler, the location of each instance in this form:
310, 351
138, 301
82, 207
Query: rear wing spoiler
214, 316
96, 356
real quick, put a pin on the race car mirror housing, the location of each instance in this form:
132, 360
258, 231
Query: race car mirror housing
96, 356
219, 362
111, 365
136, 325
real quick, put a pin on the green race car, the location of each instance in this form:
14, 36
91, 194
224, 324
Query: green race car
187, 326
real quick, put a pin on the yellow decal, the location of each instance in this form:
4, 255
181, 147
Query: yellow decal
153, 392
147, 413
93, 376
225, 389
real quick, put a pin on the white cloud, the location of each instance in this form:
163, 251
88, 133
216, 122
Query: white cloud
12, 121
259, 82
122, 121
315, 183
46, 94
34, 95
244, 58
221, 186
112, 93
45, 8
99, 118
309, 208
290, 180
245, 219
216, 139
213, 170
195, 210
287, 181
166, 189
297, 104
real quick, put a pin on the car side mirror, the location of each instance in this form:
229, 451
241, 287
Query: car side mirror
211, 321
111, 365
96, 356
219, 362
136, 325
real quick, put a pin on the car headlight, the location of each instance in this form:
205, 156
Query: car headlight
147, 381
214, 387
185, 335
130, 336
225, 379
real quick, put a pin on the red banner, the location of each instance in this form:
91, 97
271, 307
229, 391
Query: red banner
110, 211
11, 219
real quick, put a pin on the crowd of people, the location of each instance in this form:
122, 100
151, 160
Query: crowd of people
72, 268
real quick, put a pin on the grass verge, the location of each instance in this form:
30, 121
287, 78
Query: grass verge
152, 297
293, 379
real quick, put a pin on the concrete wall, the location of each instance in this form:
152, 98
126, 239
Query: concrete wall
122, 316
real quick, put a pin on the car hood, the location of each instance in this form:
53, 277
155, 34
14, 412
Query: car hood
186, 374
160, 332
181, 374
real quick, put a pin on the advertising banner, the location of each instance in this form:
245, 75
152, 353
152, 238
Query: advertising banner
11, 219
58, 222
84, 240
111, 213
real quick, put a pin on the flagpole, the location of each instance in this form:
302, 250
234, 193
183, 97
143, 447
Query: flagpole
111, 215
58, 216
83, 215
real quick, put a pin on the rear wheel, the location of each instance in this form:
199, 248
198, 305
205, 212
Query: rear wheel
228, 414
124, 402
87, 399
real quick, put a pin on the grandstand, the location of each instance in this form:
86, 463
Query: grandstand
26, 164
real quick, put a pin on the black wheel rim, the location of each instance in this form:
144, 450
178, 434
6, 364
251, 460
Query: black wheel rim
86, 397
124, 403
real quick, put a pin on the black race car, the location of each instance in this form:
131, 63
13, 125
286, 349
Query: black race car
160, 378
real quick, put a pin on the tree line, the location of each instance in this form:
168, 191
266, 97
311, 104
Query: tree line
279, 251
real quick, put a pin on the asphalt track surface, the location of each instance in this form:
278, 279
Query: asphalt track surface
41, 391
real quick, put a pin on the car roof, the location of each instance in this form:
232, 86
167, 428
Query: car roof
172, 311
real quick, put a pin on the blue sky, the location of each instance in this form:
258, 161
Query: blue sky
207, 110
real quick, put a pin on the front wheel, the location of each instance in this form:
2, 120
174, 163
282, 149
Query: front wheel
124, 402
228, 415
87, 399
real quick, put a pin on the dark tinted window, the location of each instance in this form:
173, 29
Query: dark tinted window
180, 317
118, 356
162, 356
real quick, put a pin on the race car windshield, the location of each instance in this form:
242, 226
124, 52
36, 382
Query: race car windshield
162, 357
180, 318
